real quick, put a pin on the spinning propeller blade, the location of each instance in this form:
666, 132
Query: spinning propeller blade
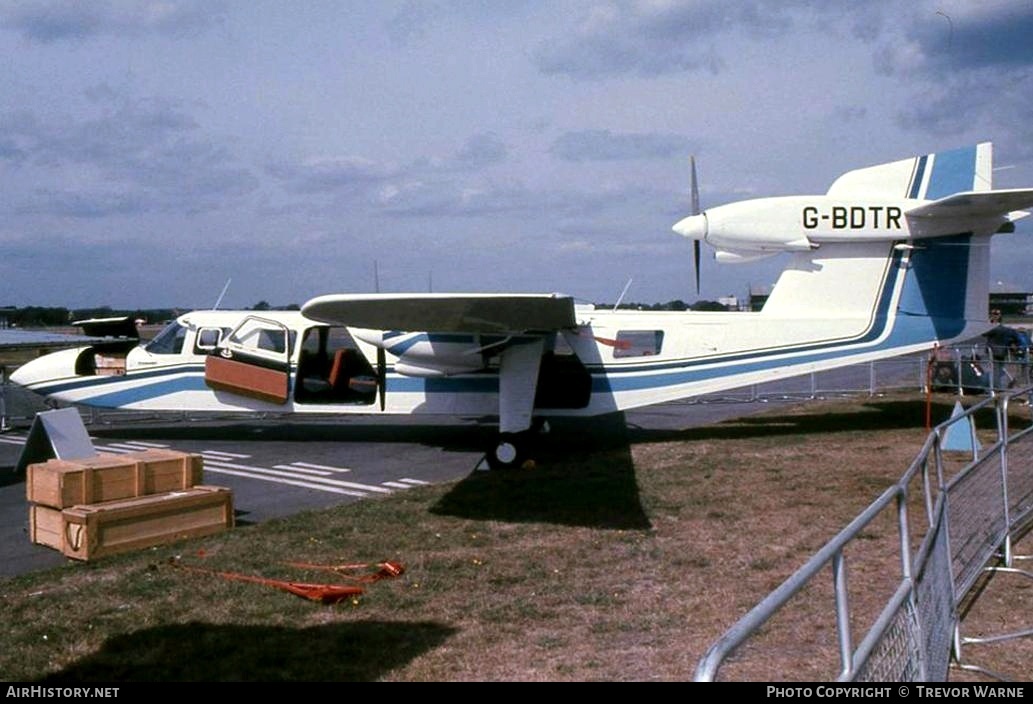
694, 186
381, 376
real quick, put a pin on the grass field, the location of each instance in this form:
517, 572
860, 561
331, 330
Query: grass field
621, 562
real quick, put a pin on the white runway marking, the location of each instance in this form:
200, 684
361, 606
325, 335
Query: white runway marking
302, 470
363, 487
291, 482
321, 466
128, 447
225, 455
318, 482
307, 475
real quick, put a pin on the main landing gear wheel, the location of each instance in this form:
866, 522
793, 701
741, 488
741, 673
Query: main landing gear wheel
510, 451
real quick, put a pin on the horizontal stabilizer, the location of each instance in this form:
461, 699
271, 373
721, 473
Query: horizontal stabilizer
445, 312
976, 204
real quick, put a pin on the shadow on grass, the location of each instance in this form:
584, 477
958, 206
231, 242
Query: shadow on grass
873, 416
205, 652
584, 476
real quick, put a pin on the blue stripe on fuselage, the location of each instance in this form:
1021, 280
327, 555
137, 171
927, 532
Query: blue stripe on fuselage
146, 392
83, 382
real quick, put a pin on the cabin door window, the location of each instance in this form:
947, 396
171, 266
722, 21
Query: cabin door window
253, 361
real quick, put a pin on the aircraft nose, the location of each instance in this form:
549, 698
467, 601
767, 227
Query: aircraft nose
56, 365
694, 227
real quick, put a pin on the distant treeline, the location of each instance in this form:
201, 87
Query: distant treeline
39, 316
676, 304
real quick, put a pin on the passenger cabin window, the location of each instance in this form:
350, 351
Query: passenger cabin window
208, 339
638, 343
168, 341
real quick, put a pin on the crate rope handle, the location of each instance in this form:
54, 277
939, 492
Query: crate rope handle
74, 540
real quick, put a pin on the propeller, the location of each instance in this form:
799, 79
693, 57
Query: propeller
694, 186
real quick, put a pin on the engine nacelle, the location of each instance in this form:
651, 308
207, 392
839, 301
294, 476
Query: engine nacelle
434, 371
429, 355
795, 223
761, 225
752, 228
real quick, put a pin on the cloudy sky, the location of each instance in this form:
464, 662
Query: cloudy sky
151, 150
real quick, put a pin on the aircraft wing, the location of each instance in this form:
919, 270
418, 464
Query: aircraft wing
31, 339
122, 326
445, 312
976, 204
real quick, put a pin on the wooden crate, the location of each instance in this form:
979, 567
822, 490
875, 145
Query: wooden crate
64, 483
168, 470
46, 526
97, 530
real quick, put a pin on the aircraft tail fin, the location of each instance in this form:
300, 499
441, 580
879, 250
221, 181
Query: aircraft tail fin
937, 286
927, 177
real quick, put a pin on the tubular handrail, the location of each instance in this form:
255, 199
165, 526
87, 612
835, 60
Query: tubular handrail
955, 577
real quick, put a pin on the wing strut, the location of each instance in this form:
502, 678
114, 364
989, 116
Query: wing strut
518, 383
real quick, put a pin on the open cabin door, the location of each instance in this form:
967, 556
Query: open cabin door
253, 361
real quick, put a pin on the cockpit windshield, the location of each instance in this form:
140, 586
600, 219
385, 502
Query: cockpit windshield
168, 341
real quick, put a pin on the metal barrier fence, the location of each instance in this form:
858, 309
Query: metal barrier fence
969, 369
969, 518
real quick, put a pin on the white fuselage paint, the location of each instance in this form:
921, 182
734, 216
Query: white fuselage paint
806, 326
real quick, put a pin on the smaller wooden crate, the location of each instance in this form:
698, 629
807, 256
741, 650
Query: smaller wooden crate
108, 477
46, 527
97, 530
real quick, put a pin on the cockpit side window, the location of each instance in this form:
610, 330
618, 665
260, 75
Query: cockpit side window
168, 341
208, 339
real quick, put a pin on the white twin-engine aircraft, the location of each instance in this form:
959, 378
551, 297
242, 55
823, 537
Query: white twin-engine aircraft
891, 260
